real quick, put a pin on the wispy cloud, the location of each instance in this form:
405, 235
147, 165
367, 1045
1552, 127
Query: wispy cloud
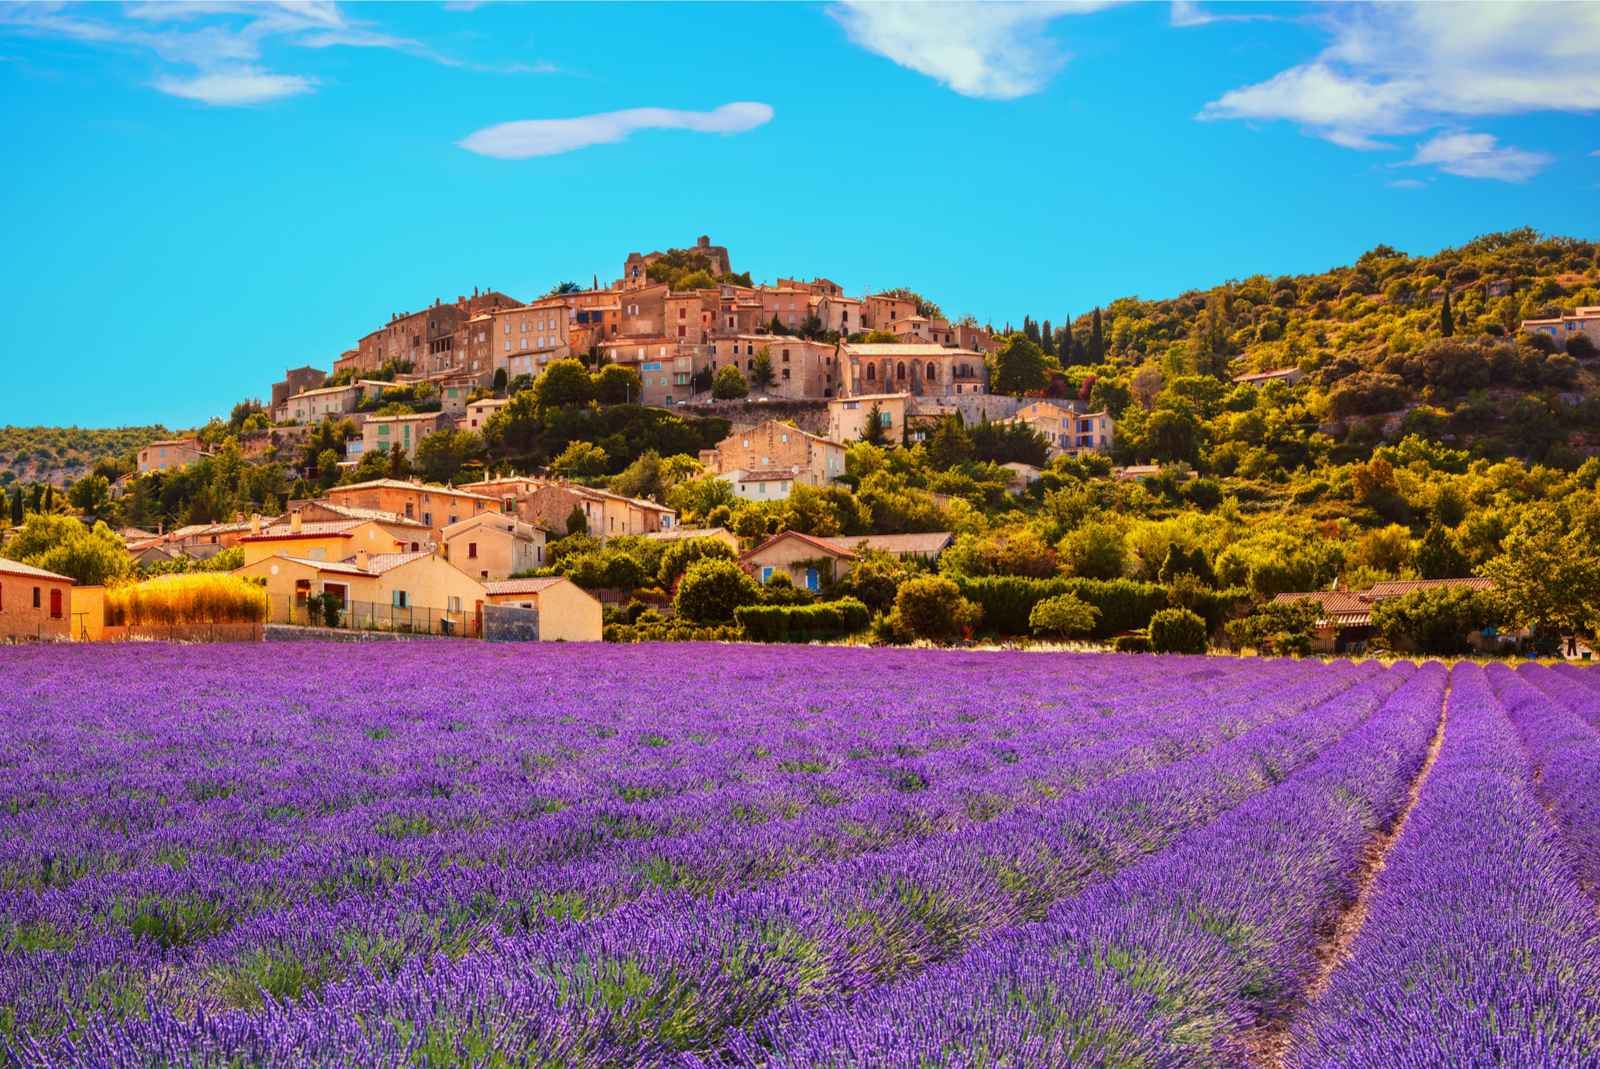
219, 43
1406, 183
548, 137
1477, 156
993, 51
1396, 69
1190, 13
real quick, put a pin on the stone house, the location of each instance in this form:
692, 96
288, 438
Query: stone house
845, 415
605, 514
34, 604
1585, 320
410, 589
770, 446
915, 369
436, 506
493, 546
567, 612
171, 455
403, 432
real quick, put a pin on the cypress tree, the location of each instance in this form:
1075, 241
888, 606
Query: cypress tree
17, 508
1447, 321
49, 497
1047, 338
1031, 329
1064, 346
1096, 349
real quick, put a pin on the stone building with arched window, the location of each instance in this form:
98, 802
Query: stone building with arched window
918, 370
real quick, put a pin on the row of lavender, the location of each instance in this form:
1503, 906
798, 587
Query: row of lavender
179, 840
1006, 861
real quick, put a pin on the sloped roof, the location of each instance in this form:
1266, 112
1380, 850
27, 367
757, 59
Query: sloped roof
921, 350
376, 515
313, 529
682, 533
1342, 608
16, 567
400, 484
1399, 587
931, 543
827, 545
523, 586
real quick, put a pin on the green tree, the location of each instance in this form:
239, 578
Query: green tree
90, 495
711, 589
681, 554
581, 460
1019, 367
932, 607
645, 477
1437, 619
1447, 320
1095, 351
762, 373
61, 544
1438, 556
328, 467
1112, 396
618, 385
696, 499
499, 385
397, 463
577, 522
729, 385
565, 382
950, 444
1064, 615
1095, 550
441, 455
1547, 575
18, 506
872, 429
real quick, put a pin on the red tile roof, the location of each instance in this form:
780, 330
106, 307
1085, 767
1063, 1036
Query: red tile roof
523, 586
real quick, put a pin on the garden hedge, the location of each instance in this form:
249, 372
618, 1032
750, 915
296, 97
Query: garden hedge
1008, 600
770, 623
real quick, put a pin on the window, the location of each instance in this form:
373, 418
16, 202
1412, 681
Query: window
55, 604
785, 372
786, 356
427, 518
317, 553
401, 600
35, 597
872, 372
683, 313
454, 603
811, 580
766, 573
409, 514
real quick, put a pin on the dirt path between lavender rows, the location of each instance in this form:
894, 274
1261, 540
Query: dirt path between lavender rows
1269, 1042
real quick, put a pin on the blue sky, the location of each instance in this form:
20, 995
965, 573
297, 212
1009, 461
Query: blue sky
199, 196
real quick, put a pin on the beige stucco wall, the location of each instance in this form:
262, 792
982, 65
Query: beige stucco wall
19, 619
89, 612
566, 611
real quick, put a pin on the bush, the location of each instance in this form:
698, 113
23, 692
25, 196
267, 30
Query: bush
1177, 631
1008, 601
680, 555
1366, 393
932, 607
772, 623
711, 590
1134, 643
1580, 347
1064, 615
729, 385
669, 632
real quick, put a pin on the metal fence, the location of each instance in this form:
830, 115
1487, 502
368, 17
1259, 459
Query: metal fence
377, 616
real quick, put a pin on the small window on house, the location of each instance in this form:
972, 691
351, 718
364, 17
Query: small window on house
35, 597
472, 549
401, 600
55, 604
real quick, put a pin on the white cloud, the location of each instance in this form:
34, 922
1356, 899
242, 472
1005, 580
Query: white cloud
1190, 13
994, 51
246, 85
548, 137
1406, 183
1395, 69
220, 41
1476, 156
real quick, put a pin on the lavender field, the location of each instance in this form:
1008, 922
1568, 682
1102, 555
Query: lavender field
694, 855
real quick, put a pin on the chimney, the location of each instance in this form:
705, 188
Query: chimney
361, 559
238, 517
255, 523
294, 522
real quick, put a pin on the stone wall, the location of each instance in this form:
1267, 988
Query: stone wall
508, 623
291, 633
971, 405
809, 415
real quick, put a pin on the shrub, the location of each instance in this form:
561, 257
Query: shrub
772, 623
680, 555
932, 607
1008, 601
1177, 631
712, 589
1580, 347
1366, 393
1134, 643
1064, 614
